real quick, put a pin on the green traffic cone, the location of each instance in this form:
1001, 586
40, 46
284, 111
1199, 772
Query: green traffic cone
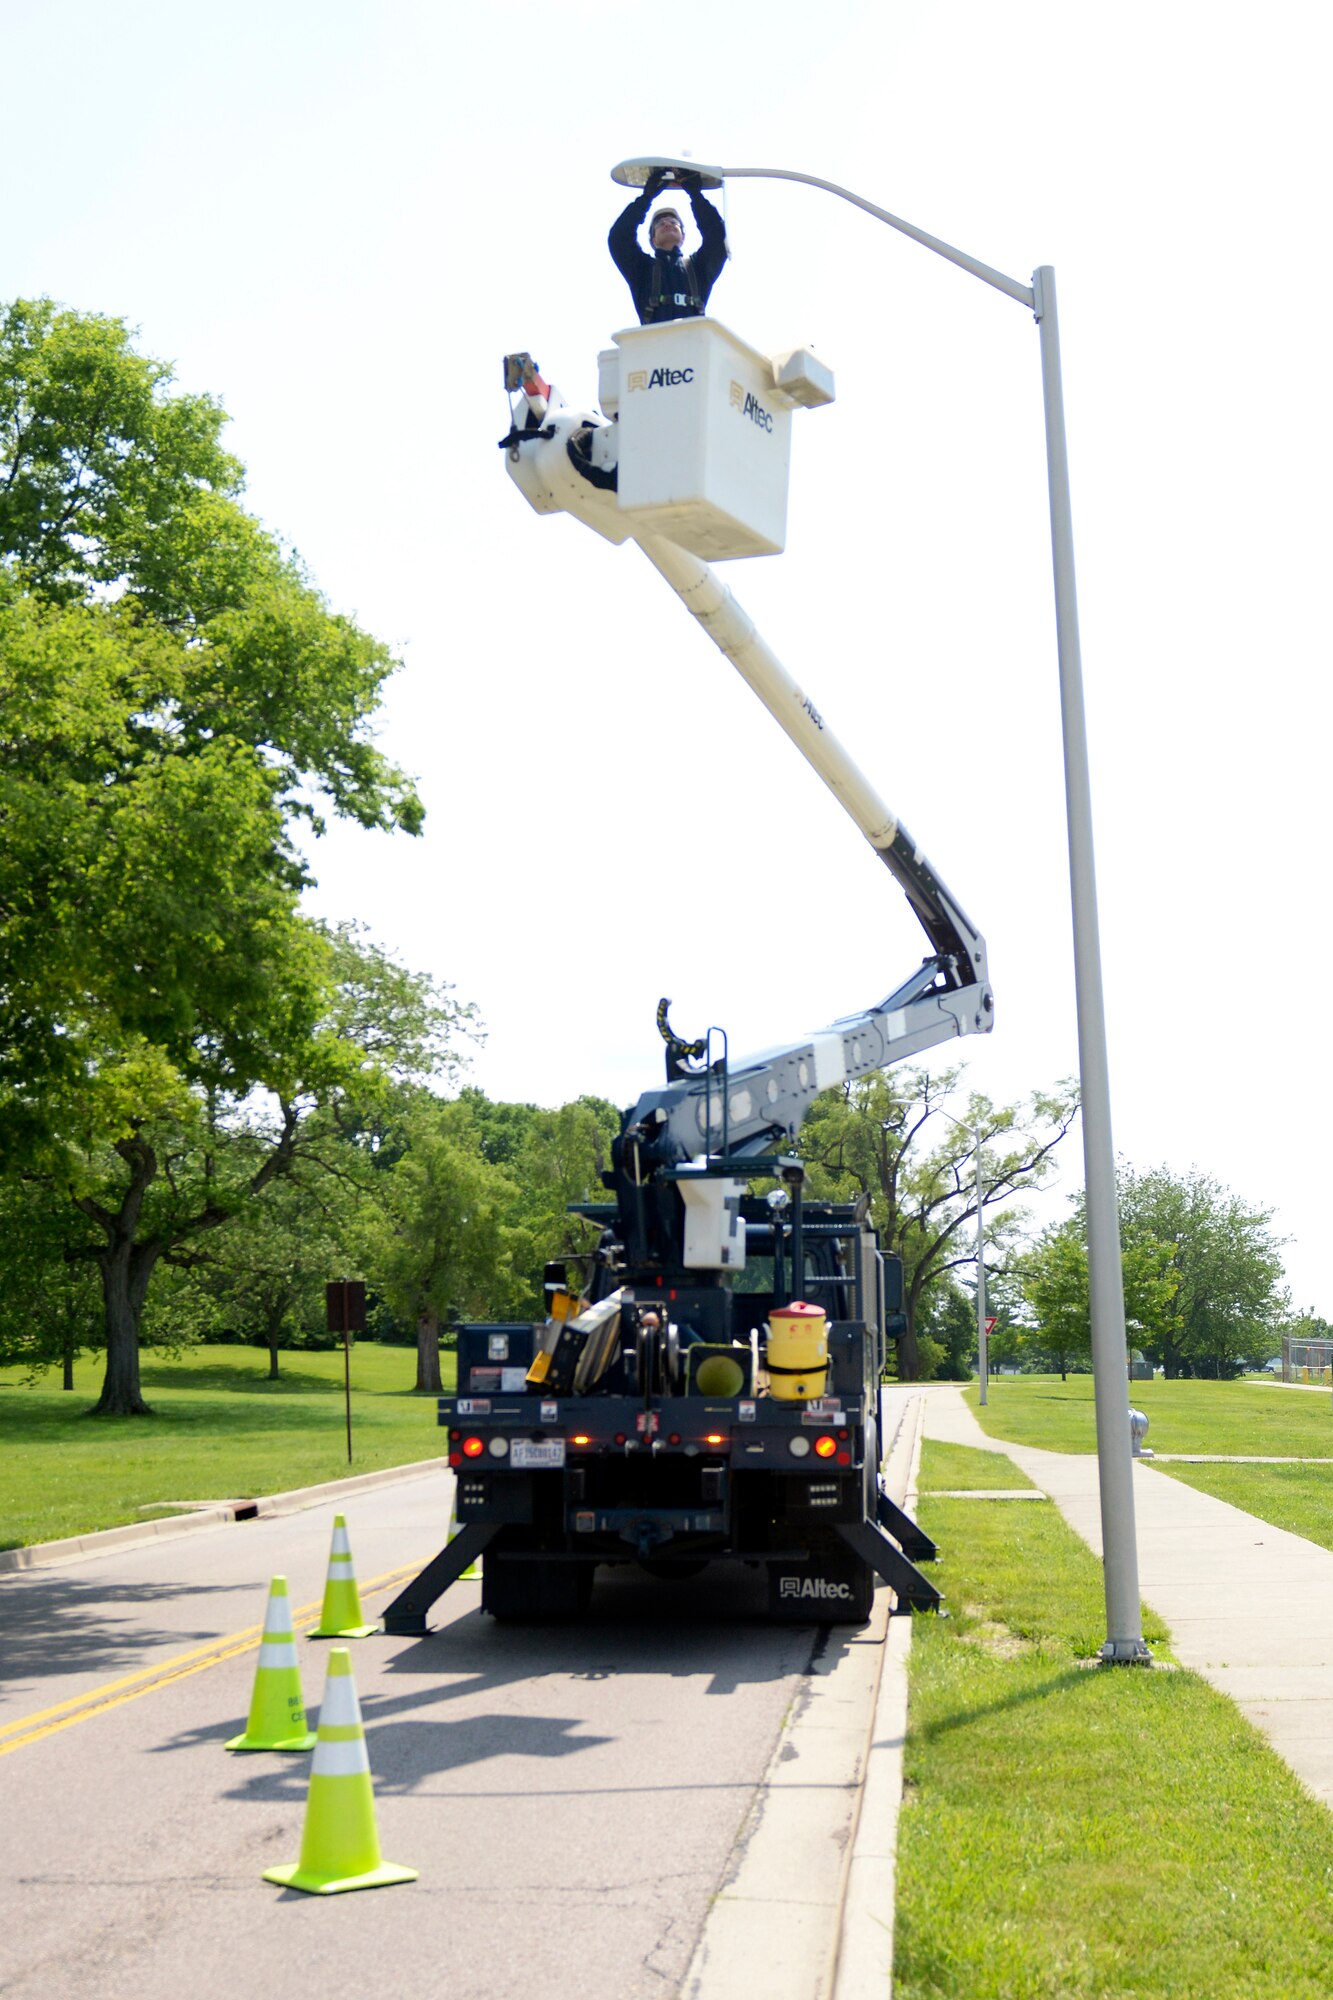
340, 1843
277, 1707
340, 1616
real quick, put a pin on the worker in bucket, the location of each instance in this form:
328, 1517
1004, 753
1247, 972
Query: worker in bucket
668, 284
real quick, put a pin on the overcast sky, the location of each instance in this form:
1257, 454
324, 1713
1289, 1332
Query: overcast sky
339, 216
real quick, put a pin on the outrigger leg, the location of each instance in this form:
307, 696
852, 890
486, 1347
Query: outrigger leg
873, 1546
406, 1616
914, 1540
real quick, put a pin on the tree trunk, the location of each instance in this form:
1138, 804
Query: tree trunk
126, 1269
271, 1332
428, 1351
67, 1363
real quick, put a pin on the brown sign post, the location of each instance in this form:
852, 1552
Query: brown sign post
345, 1306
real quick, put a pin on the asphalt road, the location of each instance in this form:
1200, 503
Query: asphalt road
570, 1796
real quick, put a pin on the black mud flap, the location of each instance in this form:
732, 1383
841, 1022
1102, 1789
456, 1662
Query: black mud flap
530, 1590
836, 1586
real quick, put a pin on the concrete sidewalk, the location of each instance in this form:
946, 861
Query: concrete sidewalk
1250, 1607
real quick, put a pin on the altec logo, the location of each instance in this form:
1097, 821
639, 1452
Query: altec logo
659, 378
750, 406
813, 1587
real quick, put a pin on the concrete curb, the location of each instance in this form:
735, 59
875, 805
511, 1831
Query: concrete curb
807, 1894
49, 1555
865, 1952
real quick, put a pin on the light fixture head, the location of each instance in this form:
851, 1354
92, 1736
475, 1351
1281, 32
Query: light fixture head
634, 173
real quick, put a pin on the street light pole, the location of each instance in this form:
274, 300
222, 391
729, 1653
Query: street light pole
1106, 1290
1124, 1642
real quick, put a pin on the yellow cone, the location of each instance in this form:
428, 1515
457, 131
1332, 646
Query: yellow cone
340, 1844
277, 1708
341, 1617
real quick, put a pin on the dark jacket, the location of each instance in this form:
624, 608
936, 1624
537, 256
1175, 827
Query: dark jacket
666, 284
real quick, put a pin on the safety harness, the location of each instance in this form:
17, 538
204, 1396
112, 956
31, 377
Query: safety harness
658, 296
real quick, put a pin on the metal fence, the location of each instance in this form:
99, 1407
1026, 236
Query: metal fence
1307, 1360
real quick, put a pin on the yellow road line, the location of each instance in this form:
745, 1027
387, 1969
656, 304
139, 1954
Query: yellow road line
114, 1694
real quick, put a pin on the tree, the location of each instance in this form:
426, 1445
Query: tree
1054, 1280
560, 1163
187, 1165
887, 1136
264, 1280
440, 1241
1230, 1299
475, 1203
948, 1320
49, 1307
946, 1333
174, 696
1202, 1276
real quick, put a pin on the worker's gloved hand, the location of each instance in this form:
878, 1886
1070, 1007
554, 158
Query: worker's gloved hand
689, 180
656, 181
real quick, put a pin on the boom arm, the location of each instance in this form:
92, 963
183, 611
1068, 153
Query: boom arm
767, 1095
568, 465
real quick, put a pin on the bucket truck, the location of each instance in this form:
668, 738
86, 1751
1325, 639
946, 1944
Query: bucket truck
707, 1385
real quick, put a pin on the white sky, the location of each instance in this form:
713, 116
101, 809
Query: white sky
339, 216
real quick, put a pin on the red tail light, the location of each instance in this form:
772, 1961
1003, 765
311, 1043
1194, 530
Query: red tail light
473, 1447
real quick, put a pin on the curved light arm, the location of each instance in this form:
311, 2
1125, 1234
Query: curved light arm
635, 173
1010, 286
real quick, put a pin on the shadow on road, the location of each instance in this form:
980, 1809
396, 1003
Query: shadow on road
64, 1625
707, 1629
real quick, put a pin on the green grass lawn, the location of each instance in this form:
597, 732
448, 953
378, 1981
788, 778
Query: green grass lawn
1227, 1417
221, 1430
954, 1467
1071, 1831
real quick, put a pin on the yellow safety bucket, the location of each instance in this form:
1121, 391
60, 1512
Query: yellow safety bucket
797, 1352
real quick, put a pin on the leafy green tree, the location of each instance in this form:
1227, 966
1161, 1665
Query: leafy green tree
561, 1162
1054, 1279
1202, 1273
889, 1136
1055, 1287
1230, 1300
200, 1162
474, 1203
440, 1240
49, 1305
174, 696
261, 1277
948, 1321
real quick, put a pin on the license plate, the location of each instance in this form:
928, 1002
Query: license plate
530, 1456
